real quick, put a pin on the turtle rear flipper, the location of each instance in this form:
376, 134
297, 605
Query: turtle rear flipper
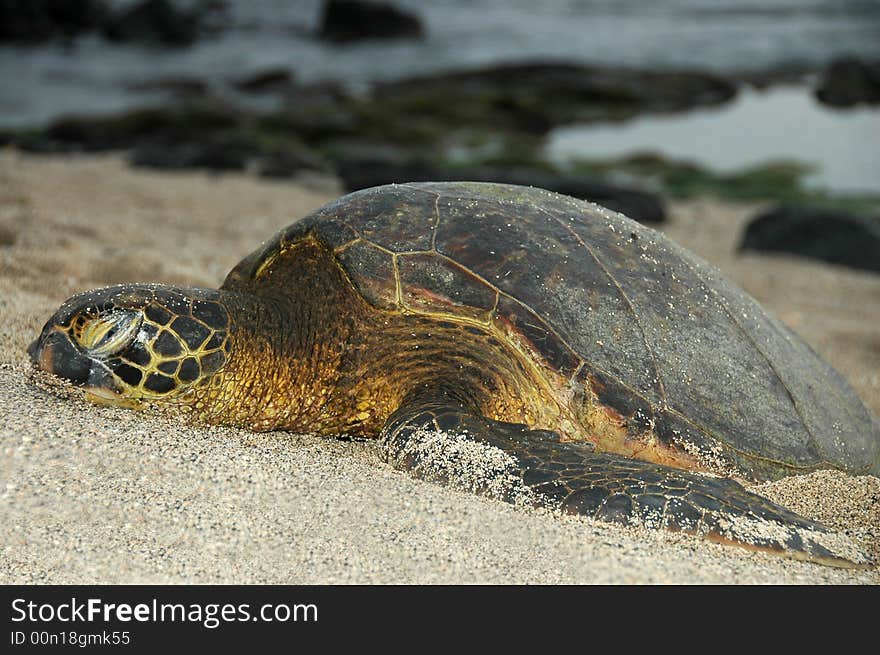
510, 462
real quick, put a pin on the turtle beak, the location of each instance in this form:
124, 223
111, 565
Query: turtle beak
55, 353
33, 350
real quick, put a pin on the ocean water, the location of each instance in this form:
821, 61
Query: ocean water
92, 76
722, 35
781, 123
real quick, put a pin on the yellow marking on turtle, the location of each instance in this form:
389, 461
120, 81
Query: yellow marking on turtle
96, 329
268, 261
398, 299
345, 246
105, 398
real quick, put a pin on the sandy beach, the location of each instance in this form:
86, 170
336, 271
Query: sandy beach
99, 495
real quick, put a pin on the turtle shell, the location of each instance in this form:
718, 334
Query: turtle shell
661, 337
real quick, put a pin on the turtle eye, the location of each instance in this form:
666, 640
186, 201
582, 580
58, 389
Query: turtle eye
105, 335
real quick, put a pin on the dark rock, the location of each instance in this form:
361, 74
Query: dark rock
289, 161
313, 112
217, 153
268, 81
228, 151
181, 123
832, 236
207, 134
150, 21
38, 20
156, 22
536, 96
642, 206
363, 165
848, 82
179, 87
353, 20
787, 73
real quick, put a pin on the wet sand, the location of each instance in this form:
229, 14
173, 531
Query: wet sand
100, 495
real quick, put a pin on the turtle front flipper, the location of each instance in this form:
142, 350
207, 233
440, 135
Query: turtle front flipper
510, 462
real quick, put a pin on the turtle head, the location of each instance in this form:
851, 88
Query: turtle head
134, 343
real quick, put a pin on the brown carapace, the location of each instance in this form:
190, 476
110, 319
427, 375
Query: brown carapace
518, 343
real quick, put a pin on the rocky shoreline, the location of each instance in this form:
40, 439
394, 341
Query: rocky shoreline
488, 124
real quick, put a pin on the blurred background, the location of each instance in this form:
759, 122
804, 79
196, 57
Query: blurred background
630, 103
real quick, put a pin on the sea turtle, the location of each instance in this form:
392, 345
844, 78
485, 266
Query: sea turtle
527, 345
